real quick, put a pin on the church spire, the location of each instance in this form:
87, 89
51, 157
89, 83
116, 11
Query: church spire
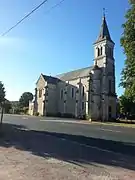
104, 32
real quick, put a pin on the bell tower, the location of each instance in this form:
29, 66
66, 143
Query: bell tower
104, 59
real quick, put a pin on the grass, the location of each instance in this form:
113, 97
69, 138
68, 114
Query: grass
122, 123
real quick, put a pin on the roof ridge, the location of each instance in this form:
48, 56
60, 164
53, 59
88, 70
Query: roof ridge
78, 73
73, 70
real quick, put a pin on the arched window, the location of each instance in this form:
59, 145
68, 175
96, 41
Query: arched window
40, 93
101, 51
72, 92
98, 51
61, 94
83, 91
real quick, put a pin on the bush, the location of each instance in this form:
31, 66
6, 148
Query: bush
25, 110
87, 117
17, 110
36, 113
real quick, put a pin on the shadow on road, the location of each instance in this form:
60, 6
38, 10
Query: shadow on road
58, 145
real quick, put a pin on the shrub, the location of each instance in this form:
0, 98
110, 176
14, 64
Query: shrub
36, 113
87, 117
25, 110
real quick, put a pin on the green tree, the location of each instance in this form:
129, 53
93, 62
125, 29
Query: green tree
124, 104
7, 106
127, 101
2, 99
15, 107
127, 106
128, 43
25, 98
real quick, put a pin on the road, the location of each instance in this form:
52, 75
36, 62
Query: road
73, 141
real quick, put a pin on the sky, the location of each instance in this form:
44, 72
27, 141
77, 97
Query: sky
54, 42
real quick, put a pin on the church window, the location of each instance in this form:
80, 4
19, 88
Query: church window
110, 85
82, 105
61, 94
83, 91
40, 93
72, 92
101, 51
98, 50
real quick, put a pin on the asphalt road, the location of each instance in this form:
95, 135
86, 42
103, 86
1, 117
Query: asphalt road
74, 127
73, 141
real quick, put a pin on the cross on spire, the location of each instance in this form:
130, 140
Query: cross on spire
104, 31
103, 12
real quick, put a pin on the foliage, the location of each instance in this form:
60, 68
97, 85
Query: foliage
25, 110
2, 100
2, 93
127, 101
127, 106
128, 43
36, 113
87, 117
7, 106
17, 110
15, 107
25, 98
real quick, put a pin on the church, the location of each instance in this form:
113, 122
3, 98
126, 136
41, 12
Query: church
87, 92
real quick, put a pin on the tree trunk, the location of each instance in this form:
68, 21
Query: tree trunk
1, 119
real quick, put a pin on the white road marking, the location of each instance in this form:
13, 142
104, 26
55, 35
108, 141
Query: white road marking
24, 118
78, 122
110, 130
64, 121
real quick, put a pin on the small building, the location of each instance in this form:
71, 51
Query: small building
87, 91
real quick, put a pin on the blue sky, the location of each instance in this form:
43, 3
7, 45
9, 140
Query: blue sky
54, 42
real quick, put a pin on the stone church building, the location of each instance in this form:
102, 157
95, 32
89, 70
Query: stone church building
87, 91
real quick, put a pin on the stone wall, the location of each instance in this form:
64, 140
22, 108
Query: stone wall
51, 100
40, 100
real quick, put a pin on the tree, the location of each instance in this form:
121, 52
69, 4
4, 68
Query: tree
126, 106
25, 98
128, 43
7, 106
2, 99
127, 101
2, 93
15, 107
124, 103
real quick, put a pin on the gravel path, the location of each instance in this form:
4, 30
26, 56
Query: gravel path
22, 165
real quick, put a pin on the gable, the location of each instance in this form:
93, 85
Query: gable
40, 82
50, 79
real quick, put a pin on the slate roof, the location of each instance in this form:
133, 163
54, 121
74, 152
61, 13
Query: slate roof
104, 32
75, 74
50, 79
